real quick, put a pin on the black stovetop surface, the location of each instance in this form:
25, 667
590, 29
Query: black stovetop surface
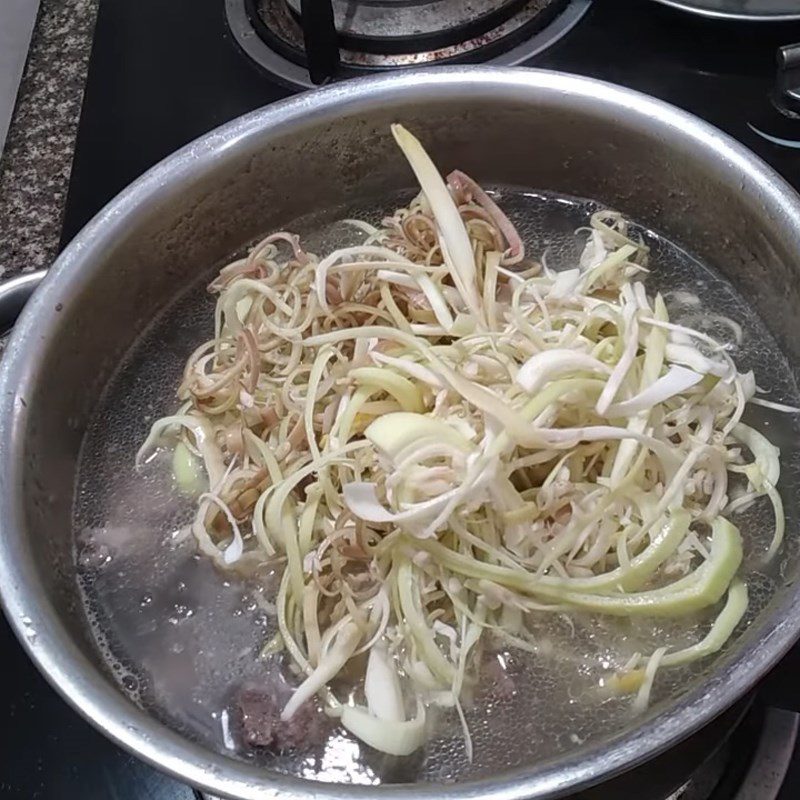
163, 73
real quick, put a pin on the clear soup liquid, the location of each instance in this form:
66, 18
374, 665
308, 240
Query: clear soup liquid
182, 638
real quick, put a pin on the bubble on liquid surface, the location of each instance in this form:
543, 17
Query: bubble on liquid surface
179, 636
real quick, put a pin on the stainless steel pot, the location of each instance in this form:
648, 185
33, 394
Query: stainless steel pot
748, 10
661, 166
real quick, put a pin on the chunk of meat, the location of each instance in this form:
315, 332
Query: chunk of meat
259, 712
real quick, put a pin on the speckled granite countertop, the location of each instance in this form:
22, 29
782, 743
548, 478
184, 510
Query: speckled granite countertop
36, 162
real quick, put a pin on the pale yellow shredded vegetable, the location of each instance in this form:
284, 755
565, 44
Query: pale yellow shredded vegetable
438, 437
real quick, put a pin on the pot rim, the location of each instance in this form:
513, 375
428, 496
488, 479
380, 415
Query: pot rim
85, 686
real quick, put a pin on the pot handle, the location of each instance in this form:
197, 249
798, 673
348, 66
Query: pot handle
14, 294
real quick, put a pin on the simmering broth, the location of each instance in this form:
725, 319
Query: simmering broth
183, 638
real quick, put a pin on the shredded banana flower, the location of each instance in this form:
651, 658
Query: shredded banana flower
436, 437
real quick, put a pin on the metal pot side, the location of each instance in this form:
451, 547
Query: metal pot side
537, 129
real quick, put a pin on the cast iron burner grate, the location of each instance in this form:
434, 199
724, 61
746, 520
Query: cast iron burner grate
337, 39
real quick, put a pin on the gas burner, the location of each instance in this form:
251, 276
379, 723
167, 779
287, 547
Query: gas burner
351, 38
401, 26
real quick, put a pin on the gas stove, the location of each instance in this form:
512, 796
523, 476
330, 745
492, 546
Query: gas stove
306, 43
163, 73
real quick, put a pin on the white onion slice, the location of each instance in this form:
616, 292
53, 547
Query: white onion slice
677, 380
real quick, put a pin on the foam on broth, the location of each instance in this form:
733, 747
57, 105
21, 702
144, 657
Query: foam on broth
181, 637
